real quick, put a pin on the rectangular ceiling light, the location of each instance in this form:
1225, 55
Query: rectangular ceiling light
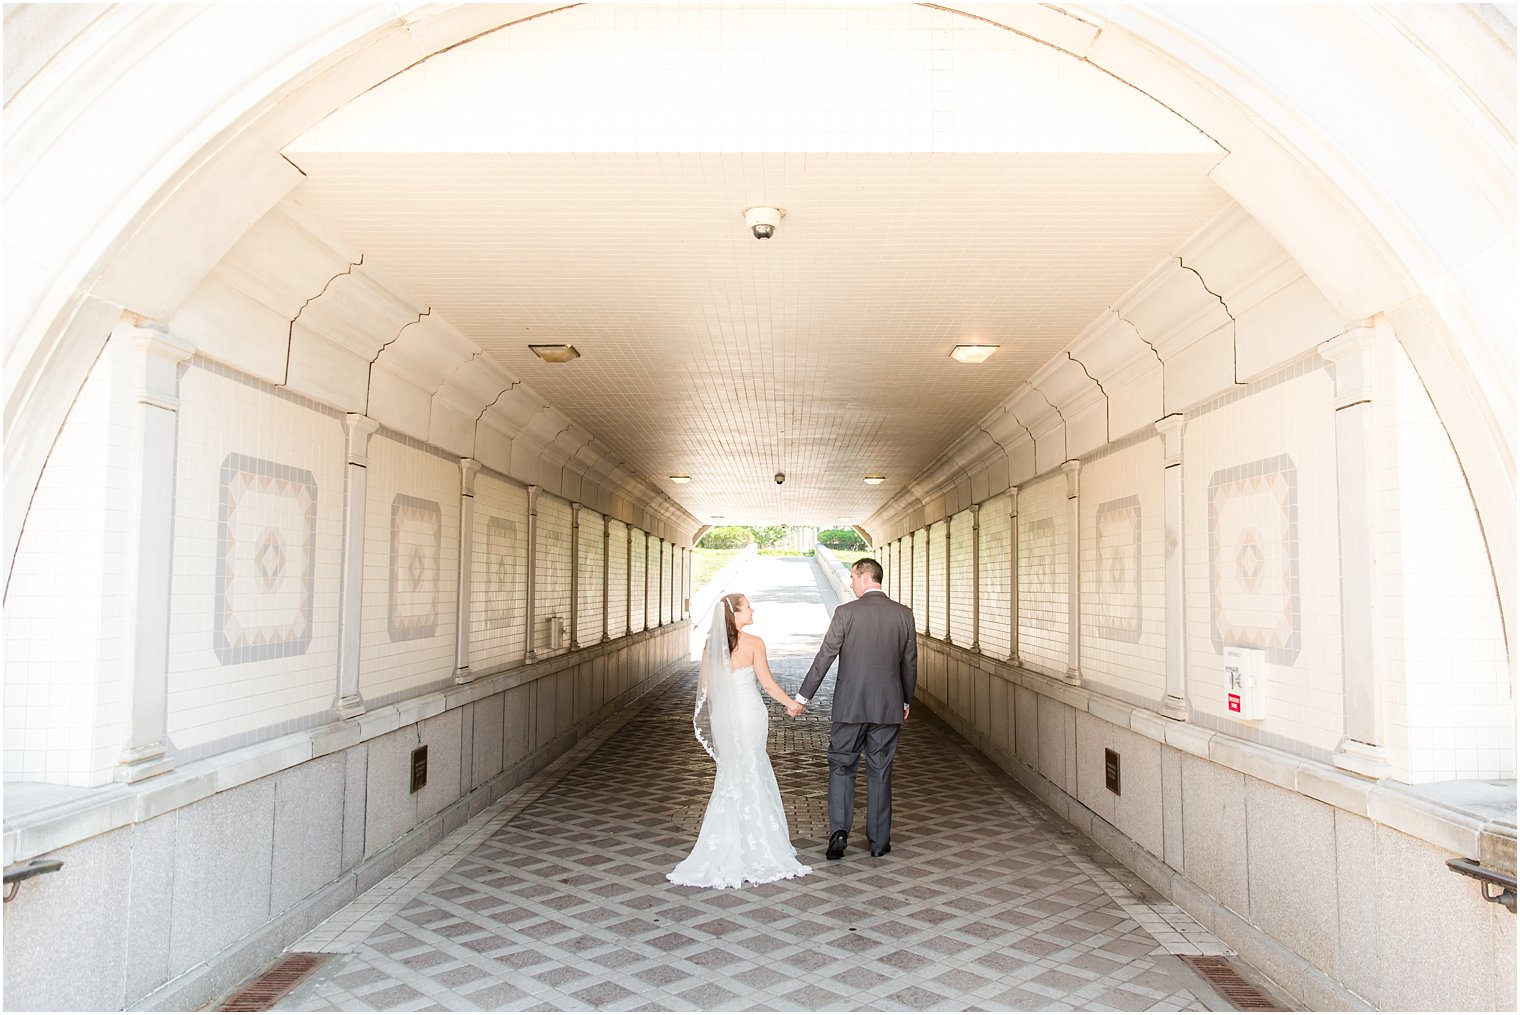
972, 353
555, 353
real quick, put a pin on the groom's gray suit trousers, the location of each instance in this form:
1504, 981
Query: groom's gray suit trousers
846, 742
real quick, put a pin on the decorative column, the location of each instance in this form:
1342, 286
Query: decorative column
606, 575
1013, 576
976, 578
147, 751
357, 431
1174, 704
628, 581
1073, 574
659, 583
531, 656
575, 576
468, 467
1363, 750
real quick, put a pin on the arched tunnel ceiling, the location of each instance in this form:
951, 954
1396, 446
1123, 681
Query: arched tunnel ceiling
581, 179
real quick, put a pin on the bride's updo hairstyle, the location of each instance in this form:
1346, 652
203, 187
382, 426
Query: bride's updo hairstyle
731, 603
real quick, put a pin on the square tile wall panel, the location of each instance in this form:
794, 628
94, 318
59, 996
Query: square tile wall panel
1043, 575
996, 606
411, 571
935, 594
1262, 554
919, 579
589, 623
67, 644
617, 579
962, 580
499, 575
638, 571
1123, 532
552, 572
258, 546
1450, 702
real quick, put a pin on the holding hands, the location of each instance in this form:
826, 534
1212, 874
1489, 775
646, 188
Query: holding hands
795, 708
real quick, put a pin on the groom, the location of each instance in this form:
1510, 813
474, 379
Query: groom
877, 648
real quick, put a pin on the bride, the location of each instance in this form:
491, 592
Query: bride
744, 833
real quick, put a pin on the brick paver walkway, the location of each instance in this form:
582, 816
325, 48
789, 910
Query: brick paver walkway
556, 899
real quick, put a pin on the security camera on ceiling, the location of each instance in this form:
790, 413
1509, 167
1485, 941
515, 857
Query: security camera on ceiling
762, 222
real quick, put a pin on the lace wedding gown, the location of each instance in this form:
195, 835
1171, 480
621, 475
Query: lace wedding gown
744, 833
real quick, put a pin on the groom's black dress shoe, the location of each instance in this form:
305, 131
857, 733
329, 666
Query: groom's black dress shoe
881, 850
836, 846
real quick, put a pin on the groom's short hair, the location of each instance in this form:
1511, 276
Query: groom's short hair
869, 568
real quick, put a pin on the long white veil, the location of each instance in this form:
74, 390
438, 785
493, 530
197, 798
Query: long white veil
715, 686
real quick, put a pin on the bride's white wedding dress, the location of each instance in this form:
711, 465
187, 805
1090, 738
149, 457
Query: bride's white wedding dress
744, 833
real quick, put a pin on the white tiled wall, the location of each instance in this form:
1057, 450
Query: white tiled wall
552, 572
996, 605
667, 580
638, 576
617, 580
1043, 575
920, 580
589, 621
962, 580
1275, 580
499, 592
1449, 702
410, 580
67, 646
935, 593
258, 542
1123, 521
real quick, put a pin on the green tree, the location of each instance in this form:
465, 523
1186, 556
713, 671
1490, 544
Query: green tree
726, 537
842, 539
770, 535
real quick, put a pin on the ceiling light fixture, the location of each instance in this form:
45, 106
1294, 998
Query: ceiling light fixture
972, 353
875, 480
680, 479
555, 353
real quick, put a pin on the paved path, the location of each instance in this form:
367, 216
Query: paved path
555, 898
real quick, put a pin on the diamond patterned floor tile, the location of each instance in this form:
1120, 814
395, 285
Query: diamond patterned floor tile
555, 898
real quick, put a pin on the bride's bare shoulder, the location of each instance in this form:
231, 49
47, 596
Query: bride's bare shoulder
747, 648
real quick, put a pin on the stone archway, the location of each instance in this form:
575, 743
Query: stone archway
1414, 223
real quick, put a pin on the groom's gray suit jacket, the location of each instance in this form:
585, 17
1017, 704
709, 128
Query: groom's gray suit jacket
877, 648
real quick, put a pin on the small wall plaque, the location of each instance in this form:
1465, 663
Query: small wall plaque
1111, 770
419, 768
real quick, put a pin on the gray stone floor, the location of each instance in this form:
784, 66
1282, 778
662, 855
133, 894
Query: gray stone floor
555, 898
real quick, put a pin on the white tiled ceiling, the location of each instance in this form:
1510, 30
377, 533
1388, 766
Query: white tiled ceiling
821, 353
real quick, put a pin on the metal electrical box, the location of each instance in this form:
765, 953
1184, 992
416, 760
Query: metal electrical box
559, 633
1245, 680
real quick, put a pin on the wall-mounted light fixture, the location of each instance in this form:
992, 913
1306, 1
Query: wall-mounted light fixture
680, 479
875, 480
555, 353
972, 353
